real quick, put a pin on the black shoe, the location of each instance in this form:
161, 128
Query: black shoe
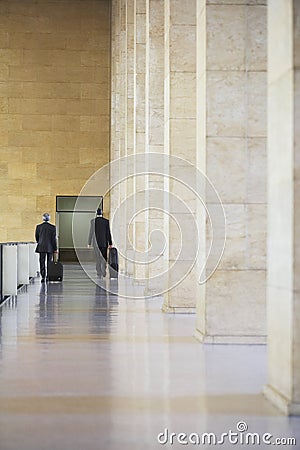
43, 280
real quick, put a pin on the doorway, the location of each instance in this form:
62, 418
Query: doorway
84, 207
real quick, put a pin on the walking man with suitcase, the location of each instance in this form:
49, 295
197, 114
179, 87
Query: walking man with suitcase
100, 239
45, 236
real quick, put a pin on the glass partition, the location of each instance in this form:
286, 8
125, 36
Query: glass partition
66, 203
86, 207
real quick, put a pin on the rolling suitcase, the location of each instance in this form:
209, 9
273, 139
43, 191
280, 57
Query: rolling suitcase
113, 262
55, 271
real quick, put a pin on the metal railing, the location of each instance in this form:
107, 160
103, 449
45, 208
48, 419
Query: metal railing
18, 265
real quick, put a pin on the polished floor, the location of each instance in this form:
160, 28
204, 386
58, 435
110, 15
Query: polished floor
81, 369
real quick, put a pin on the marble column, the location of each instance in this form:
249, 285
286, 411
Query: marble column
213, 116
180, 141
125, 115
231, 151
155, 131
116, 192
140, 218
130, 126
283, 283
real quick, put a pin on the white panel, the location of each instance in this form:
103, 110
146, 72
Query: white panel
23, 264
33, 260
10, 259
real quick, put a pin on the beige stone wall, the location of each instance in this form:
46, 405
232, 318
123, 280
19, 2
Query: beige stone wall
54, 105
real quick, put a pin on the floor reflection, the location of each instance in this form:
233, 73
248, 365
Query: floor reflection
82, 367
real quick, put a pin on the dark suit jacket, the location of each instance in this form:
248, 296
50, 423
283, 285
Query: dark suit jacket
100, 232
45, 236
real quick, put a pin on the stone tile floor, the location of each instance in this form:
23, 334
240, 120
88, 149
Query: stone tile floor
82, 369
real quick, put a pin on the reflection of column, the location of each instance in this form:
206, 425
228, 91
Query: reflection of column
284, 206
231, 81
180, 138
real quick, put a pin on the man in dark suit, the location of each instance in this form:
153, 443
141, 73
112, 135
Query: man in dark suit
45, 236
100, 239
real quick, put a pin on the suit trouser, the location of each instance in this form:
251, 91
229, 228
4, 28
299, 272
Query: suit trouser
101, 259
43, 257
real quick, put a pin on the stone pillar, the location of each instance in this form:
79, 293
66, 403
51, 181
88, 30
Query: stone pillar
130, 122
123, 126
116, 92
283, 284
155, 128
122, 123
231, 151
180, 141
140, 220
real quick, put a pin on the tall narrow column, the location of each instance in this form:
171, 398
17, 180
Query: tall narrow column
139, 221
231, 151
122, 119
155, 129
130, 128
284, 206
180, 140
118, 115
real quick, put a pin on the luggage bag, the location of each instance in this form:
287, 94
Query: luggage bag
55, 271
113, 262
